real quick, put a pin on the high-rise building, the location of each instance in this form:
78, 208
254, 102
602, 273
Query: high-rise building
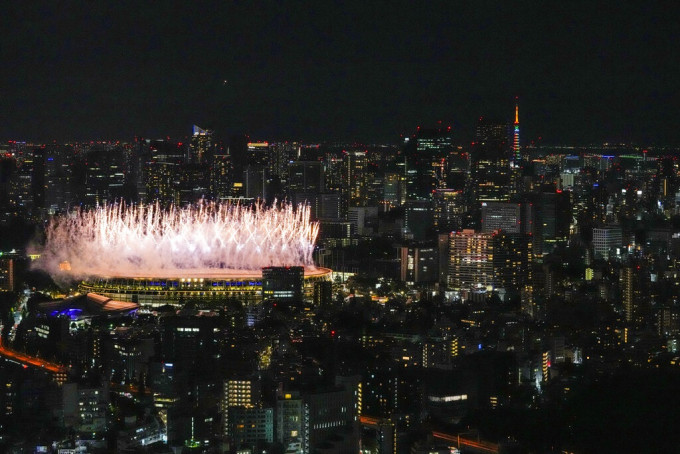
280, 155
334, 171
471, 260
491, 134
419, 264
667, 319
85, 409
323, 293
290, 417
238, 392
106, 168
632, 292
221, 174
364, 219
449, 209
458, 170
282, 283
306, 421
193, 183
161, 172
503, 215
418, 219
354, 178
243, 392
7, 172
489, 260
250, 426
306, 177
512, 260
60, 162
605, 239
189, 343
375, 186
330, 207
491, 162
201, 145
426, 161
552, 217
381, 391
393, 190
258, 154
8, 272
444, 258
255, 182
516, 150
330, 415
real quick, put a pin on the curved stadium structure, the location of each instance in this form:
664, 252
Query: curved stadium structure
207, 252
204, 287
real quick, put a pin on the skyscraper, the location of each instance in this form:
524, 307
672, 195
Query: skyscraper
627, 284
490, 162
512, 257
105, 174
201, 145
161, 172
449, 209
354, 177
510, 217
280, 155
426, 161
221, 174
419, 263
238, 392
471, 259
605, 239
306, 177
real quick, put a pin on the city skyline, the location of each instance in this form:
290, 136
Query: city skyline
345, 227
584, 73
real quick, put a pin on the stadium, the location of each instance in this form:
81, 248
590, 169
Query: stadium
205, 253
200, 288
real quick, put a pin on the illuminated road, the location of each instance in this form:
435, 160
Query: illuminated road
27, 360
483, 446
458, 440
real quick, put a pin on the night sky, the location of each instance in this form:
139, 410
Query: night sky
368, 71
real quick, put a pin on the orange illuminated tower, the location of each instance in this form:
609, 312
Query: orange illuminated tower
516, 153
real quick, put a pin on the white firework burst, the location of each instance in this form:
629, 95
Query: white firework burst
119, 240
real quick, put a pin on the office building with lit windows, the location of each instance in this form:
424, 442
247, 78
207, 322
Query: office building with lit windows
354, 178
419, 263
502, 215
251, 426
489, 260
470, 260
490, 162
244, 421
605, 239
283, 283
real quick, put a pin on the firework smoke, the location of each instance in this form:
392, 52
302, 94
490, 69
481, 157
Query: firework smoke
121, 240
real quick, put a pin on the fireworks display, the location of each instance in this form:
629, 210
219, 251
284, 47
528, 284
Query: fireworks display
121, 240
